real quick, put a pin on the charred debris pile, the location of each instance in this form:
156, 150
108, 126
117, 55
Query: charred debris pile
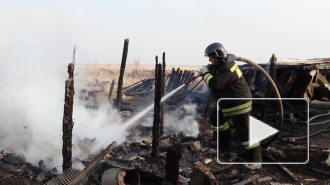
182, 159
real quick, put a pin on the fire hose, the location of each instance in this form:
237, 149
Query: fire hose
277, 94
274, 88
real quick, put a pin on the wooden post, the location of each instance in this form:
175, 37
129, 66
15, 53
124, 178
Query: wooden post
111, 89
67, 120
121, 76
269, 92
173, 157
201, 175
171, 79
176, 77
183, 77
155, 127
161, 129
187, 77
178, 80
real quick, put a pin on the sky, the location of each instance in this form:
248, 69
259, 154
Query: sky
47, 31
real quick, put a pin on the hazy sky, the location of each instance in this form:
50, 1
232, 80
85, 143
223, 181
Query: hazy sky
46, 31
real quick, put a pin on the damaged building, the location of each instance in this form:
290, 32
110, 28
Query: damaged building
293, 158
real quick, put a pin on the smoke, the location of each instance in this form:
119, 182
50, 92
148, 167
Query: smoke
182, 120
32, 99
177, 120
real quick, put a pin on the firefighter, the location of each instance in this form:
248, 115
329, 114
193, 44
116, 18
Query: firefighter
225, 80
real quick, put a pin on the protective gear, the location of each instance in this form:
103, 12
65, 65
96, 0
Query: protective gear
225, 138
207, 78
197, 73
254, 155
216, 50
204, 70
227, 81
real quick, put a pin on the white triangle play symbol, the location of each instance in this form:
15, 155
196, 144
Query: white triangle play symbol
259, 131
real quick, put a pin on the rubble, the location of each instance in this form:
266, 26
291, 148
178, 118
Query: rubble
196, 161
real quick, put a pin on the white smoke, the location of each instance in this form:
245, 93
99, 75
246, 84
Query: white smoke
32, 99
182, 120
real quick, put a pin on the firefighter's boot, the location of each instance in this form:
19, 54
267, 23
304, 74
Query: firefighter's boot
254, 155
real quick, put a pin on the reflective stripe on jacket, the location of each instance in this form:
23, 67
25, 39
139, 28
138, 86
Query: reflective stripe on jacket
227, 81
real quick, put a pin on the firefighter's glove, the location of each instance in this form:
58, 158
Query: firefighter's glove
197, 74
204, 70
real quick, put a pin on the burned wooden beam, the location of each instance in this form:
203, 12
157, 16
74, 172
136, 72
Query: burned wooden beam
121, 75
269, 91
97, 159
202, 175
189, 75
299, 87
161, 129
67, 120
140, 89
155, 127
173, 157
284, 169
73, 176
128, 87
183, 77
111, 89
177, 76
178, 80
170, 80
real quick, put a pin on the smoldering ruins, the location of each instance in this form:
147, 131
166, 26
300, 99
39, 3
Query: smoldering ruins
151, 127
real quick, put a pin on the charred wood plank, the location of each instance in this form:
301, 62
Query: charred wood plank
188, 76
284, 169
126, 88
173, 157
319, 170
161, 129
202, 175
300, 86
222, 168
183, 77
176, 79
84, 173
111, 89
171, 80
121, 75
157, 99
67, 120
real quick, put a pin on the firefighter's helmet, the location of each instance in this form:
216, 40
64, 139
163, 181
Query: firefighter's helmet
216, 50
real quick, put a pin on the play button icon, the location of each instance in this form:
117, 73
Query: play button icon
259, 131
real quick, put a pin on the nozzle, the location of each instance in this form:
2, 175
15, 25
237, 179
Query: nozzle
191, 79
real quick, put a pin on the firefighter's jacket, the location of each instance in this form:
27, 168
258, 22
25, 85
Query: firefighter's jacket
227, 81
